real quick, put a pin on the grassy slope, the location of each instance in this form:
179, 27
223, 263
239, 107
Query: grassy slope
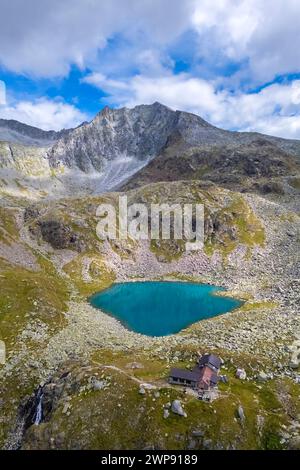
26, 296
96, 420
118, 417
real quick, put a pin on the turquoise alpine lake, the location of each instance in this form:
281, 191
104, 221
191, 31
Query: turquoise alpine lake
162, 308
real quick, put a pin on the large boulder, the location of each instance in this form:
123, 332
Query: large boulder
2, 352
241, 414
177, 408
262, 377
295, 354
241, 374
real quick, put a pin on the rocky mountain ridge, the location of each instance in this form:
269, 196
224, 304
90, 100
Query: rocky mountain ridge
118, 143
144, 132
20, 133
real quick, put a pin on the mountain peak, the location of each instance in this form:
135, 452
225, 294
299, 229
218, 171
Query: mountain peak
157, 104
140, 133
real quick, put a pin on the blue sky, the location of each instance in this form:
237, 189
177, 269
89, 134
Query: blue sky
234, 62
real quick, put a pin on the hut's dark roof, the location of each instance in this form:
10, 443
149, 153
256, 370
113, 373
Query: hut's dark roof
210, 359
185, 374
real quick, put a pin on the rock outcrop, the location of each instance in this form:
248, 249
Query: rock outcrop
177, 408
60, 235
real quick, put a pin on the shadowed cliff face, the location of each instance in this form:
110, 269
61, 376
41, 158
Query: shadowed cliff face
235, 166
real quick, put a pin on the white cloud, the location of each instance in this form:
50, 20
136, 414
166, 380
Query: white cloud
44, 114
2, 92
102, 82
230, 22
273, 110
263, 33
45, 38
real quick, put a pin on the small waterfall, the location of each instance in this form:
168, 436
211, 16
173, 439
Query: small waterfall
31, 413
39, 408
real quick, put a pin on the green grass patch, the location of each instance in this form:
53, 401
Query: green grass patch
248, 306
22, 292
